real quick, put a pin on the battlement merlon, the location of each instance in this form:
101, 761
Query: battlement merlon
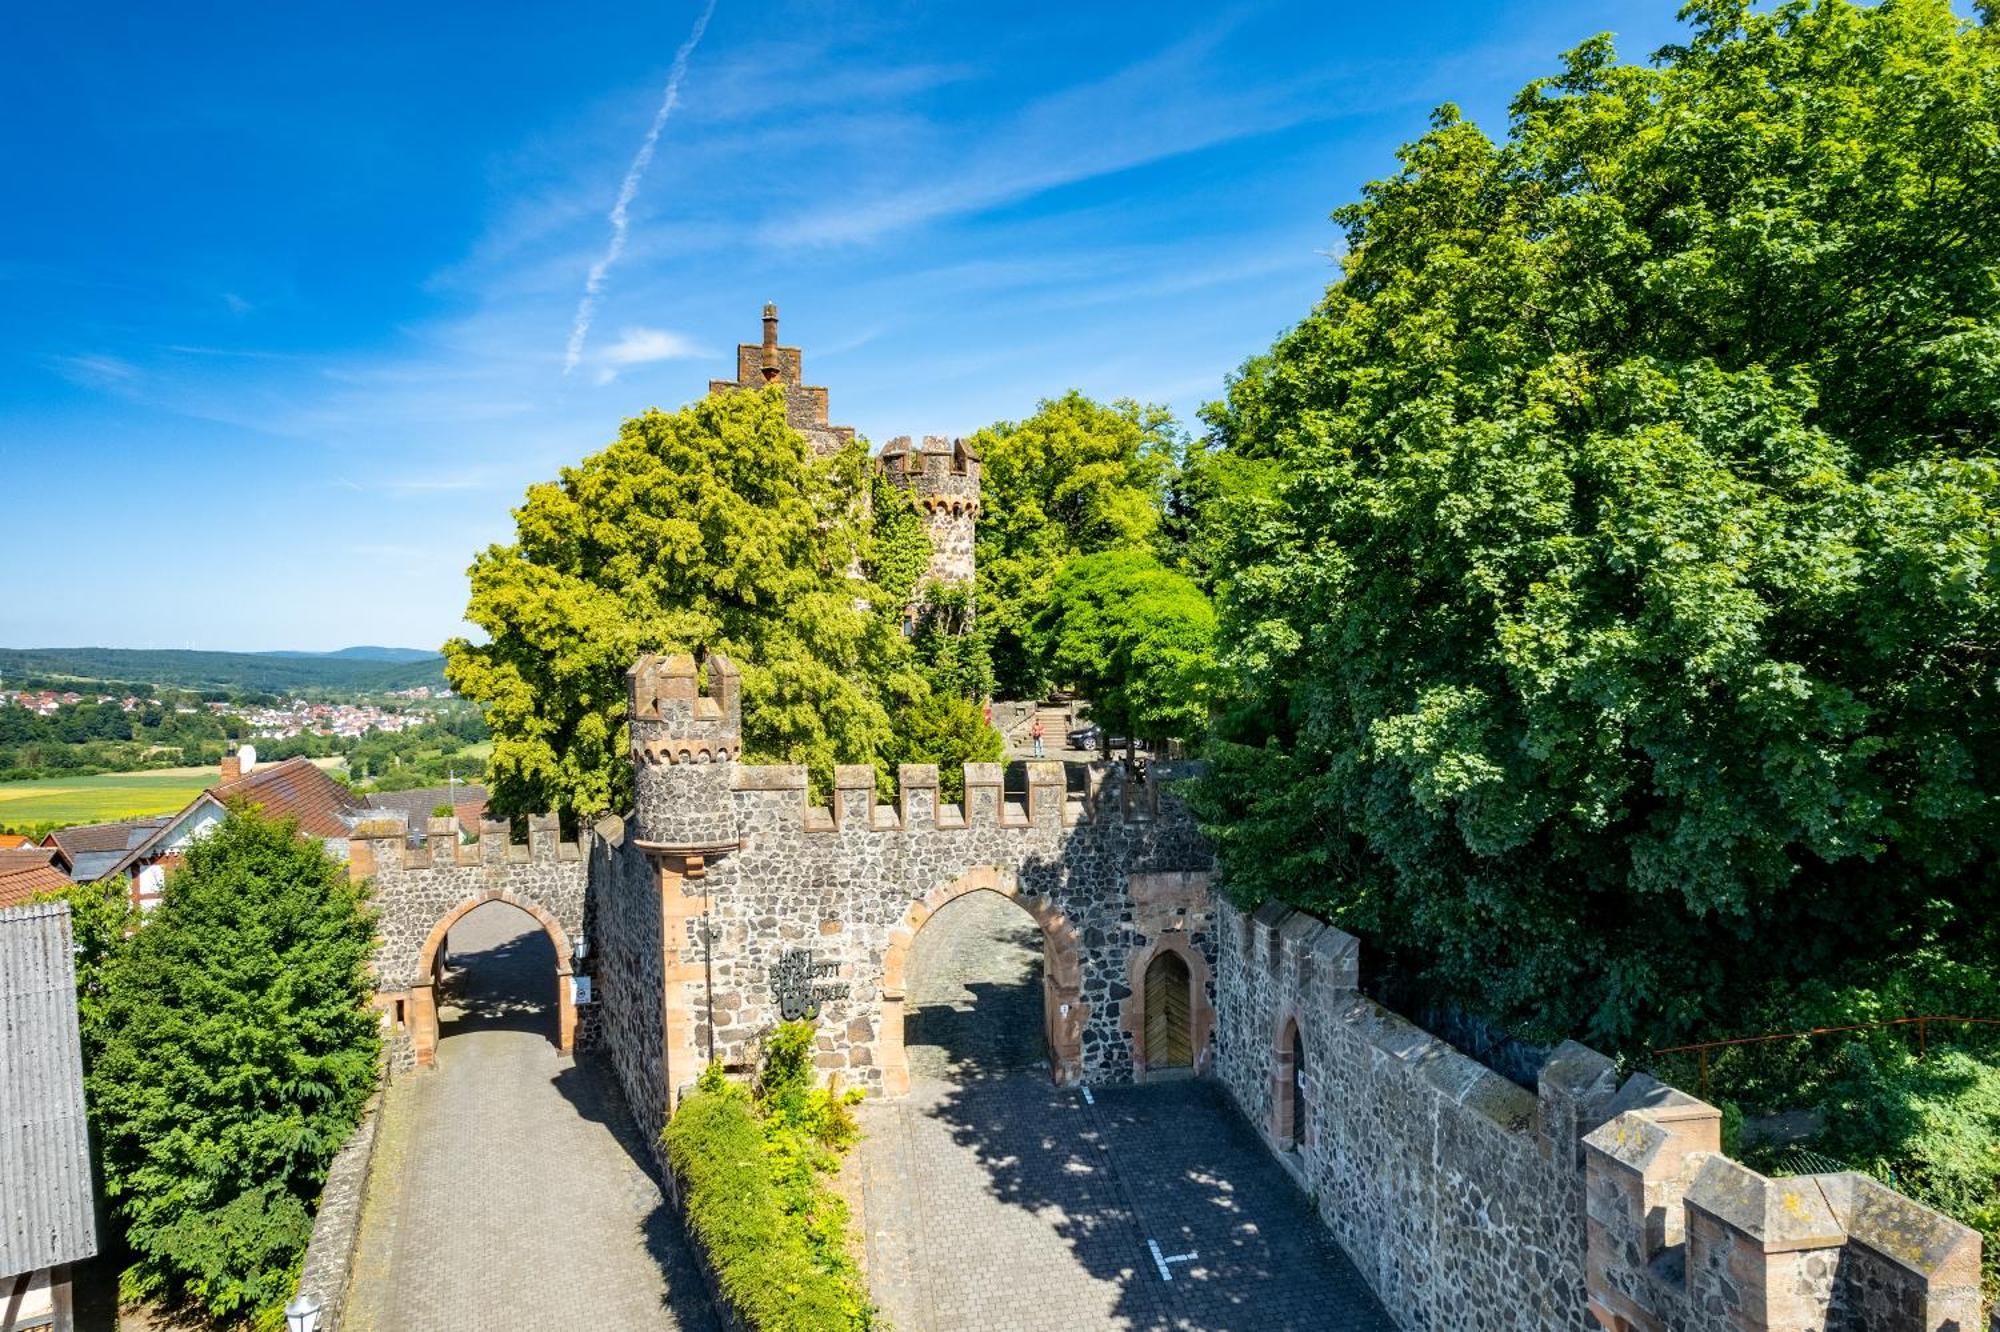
673, 720
386, 844
939, 472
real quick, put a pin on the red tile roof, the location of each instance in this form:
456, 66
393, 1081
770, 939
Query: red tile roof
24, 872
295, 789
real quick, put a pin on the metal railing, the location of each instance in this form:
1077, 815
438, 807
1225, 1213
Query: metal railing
1922, 1024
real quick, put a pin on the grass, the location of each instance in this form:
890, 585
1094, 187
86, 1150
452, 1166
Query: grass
105, 797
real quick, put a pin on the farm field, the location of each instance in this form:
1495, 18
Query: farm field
107, 796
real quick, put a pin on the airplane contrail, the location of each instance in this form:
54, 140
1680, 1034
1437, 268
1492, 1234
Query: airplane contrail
593, 286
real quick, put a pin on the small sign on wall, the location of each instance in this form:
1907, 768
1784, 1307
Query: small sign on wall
579, 989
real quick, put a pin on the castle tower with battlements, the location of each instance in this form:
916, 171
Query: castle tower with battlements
940, 475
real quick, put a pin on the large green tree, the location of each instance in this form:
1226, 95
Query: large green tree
1610, 556
233, 1047
1136, 638
1074, 478
714, 527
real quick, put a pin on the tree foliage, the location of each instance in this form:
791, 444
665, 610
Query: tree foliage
1610, 555
713, 527
1074, 478
233, 1049
1136, 638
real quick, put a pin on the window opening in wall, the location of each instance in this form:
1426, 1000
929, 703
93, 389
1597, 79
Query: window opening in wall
1297, 1091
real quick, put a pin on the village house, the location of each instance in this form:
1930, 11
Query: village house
296, 788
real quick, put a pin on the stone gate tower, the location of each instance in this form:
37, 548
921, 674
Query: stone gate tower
943, 477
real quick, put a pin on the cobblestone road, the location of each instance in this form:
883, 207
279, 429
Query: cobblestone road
993, 1200
509, 1188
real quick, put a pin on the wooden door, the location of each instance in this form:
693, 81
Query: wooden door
1169, 1028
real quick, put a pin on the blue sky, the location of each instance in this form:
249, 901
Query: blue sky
291, 290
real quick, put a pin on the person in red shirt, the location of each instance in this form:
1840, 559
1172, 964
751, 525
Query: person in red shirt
1036, 733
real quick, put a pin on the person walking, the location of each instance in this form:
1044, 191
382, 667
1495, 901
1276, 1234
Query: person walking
1036, 735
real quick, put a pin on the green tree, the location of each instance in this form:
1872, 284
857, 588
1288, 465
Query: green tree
1074, 478
234, 1050
1609, 558
101, 918
1136, 638
947, 730
714, 527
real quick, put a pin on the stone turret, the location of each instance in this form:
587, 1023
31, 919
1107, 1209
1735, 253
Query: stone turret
942, 476
761, 364
685, 743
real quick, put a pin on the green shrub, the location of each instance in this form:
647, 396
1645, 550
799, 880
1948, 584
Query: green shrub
749, 1166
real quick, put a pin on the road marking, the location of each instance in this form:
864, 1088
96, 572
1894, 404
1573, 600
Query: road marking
1088, 1099
1160, 1260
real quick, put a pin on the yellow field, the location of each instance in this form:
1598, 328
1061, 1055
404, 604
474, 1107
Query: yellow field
108, 796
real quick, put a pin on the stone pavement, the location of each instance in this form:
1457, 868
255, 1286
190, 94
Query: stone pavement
993, 1200
510, 1189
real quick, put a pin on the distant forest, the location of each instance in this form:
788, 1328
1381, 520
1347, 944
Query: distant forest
357, 670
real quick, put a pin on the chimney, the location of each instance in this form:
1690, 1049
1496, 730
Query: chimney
772, 369
232, 766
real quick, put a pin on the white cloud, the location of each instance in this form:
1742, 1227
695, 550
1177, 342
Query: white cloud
643, 346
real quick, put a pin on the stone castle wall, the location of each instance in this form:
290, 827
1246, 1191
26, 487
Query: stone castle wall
418, 885
1467, 1201
850, 882
418, 889
628, 968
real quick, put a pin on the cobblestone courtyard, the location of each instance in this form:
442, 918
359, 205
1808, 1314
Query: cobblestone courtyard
508, 1190
993, 1200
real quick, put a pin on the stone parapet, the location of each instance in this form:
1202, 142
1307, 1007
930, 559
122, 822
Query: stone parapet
1683, 1237
1583, 1204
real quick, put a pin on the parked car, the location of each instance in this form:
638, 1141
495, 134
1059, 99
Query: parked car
1083, 737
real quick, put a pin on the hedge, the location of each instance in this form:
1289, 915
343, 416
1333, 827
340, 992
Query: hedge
774, 1235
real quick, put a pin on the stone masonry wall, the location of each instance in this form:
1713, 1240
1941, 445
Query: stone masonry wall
1470, 1203
416, 886
628, 967
842, 882
1458, 1194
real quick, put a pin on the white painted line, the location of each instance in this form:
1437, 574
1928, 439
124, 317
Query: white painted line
1160, 1260
1088, 1099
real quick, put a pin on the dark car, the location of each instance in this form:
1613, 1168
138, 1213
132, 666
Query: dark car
1083, 737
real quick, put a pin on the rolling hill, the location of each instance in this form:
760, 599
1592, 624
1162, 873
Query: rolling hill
355, 670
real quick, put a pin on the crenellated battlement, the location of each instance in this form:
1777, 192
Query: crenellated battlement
939, 473
1681, 1236
1109, 796
385, 844
667, 689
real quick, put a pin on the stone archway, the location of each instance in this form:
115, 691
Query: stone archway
1063, 1008
1201, 1014
423, 1016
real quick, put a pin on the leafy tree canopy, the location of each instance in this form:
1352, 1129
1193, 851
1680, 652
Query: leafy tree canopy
1136, 638
232, 1050
1610, 556
711, 528
1074, 478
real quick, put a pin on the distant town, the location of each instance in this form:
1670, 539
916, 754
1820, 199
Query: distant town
282, 721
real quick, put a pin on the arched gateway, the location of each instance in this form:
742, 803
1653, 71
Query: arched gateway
422, 1015
1063, 1009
